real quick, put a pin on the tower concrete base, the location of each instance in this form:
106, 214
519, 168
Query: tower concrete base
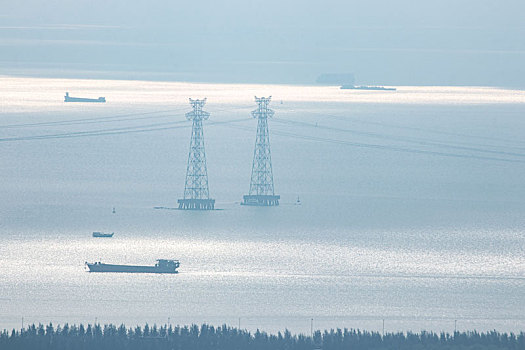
261, 200
196, 204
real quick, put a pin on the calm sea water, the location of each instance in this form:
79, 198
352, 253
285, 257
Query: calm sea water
412, 207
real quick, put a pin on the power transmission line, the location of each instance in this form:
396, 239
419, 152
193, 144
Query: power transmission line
107, 119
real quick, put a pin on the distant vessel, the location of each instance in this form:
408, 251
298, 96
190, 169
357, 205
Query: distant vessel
102, 234
68, 98
298, 201
365, 87
162, 266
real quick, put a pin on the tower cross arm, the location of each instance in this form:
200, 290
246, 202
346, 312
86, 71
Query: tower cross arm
197, 113
262, 110
261, 99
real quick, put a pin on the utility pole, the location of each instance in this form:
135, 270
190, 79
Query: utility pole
196, 191
261, 183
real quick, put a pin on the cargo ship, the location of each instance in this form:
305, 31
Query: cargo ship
366, 87
102, 234
68, 98
162, 266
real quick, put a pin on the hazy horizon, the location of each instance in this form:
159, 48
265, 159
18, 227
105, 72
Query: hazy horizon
407, 43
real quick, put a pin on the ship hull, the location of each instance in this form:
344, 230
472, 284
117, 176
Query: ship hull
127, 268
81, 99
102, 235
373, 88
163, 268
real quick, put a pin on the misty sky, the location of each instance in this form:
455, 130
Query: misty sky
446, 42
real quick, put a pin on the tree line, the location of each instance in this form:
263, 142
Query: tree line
207, 337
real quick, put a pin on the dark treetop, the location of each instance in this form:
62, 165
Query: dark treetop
207, 337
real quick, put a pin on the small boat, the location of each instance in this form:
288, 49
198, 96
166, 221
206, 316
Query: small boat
298, 201
68, 98
162, 266
102, 234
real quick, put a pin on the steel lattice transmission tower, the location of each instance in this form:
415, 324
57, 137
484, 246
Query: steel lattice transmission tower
196, 191
261, 184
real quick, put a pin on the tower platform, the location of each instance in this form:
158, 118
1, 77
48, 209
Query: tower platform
196, 204
261, 200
